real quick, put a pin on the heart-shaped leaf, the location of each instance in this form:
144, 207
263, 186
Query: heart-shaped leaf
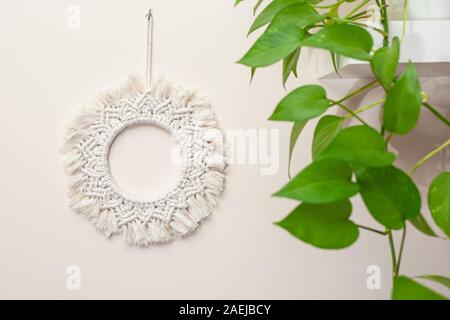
402, 107
420, 223
271, 11
282, 37
326, 130
297, 129
439, 201
325, 226
290, 65
359, 145
302, 104
390, 195
321, 182
385, 61
302, 15
276, 43
257, 5
438, 279
408, 289
343, 38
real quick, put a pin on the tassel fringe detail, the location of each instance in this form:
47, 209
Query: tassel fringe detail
91, 192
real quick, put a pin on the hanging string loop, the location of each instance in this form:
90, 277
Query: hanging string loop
149, 64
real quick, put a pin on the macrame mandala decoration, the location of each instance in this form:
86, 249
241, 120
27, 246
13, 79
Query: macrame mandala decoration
192, 124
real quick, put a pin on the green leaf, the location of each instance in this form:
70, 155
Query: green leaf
421, 224
436, 278
321, 182
326, 130
402, 107
345, 39
297, 128
252, 74
334, 61
302, 104
390, 195
325, 226
270, 12
237, 2
359, 145
302, 15
257, 5
408, 289
385, 61
276, 43
439, 201
283, 36
290, 65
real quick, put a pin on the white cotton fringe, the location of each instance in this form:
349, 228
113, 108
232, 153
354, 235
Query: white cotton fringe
180, 221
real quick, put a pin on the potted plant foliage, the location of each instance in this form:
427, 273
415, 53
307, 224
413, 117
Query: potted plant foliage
347, 161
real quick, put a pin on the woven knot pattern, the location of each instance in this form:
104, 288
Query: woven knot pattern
191, 123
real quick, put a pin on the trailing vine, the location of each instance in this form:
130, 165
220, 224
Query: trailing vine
352, 160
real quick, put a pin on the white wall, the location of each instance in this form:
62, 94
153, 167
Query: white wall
47, 70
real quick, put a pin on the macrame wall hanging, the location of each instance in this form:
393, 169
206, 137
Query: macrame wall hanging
187, 117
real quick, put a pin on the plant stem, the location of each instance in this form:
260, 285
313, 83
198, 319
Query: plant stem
350, 111
383, 130
382, 32
420, 163
371, 229
385, 20
393, 255
402, 244
366, 107
330, 5
362, 4
356, 92
359, 15
389, 137
436, 113
428, 157
405, 17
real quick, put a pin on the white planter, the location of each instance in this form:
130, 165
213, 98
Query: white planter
428, 9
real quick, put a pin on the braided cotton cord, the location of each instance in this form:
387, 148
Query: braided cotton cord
192, 124
190, 121
110, 140
149, 65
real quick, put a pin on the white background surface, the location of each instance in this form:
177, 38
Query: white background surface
47, 70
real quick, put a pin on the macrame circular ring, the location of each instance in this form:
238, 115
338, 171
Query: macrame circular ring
192, 124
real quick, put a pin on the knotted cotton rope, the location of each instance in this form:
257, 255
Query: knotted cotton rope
192, 124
